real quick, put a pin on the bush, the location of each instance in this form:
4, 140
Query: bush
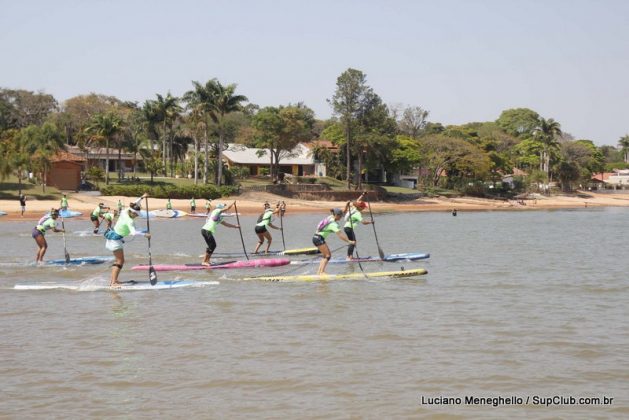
170, 191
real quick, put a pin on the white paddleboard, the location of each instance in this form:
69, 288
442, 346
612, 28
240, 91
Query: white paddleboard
131, 285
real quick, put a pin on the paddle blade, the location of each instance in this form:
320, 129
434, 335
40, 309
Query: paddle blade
381, 253
152, 276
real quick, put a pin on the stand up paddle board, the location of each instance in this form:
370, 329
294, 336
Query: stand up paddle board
169, 214
128, 285
298, 251
268, 262
389, 258
350, 276
206, 215
80, 261
3, 213
67, 213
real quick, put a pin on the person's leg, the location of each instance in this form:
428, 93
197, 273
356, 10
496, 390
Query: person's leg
269, 239
43, 245
260, 242
325, 257
211, 246
350, 249
96, 225
116, 267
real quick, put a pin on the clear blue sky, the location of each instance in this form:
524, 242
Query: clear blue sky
463, 60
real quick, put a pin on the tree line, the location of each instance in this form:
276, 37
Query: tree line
372, 138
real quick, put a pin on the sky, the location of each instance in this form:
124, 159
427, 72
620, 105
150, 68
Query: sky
462, 60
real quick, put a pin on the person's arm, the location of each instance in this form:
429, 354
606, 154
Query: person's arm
344, 237
274, 227
141, 198
224, 223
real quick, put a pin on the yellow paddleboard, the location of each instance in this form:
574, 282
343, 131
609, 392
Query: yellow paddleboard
350, 276
300, 251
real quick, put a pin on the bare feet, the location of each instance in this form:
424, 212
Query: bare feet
205, 264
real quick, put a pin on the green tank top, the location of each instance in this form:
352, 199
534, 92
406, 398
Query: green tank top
48, 224
356, 218
266, 218
125, 225
213, 220
330, 226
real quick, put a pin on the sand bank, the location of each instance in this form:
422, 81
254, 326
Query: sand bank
252, 203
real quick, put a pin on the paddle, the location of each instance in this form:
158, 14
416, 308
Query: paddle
282, 210
152, 273
240, 230
65, 245
380, 252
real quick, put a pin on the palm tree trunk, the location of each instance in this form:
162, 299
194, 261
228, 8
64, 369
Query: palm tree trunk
219, 158
196, 160
206, 165
107, 163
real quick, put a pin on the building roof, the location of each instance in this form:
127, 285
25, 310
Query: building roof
101, 153
63, 156
241, 154
602, 176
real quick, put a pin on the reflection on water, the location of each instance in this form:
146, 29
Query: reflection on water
515, 303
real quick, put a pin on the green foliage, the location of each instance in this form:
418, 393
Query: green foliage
518, 122
95, 174
170, 191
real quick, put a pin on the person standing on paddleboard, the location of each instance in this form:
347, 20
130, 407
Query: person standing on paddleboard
324, 228
352, 218
39, 232
97, 214
64, 203
169, 205
261, 230
209, 228
125, 226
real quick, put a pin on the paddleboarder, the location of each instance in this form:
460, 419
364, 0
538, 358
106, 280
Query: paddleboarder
209, 228
261, 230
324, 228
193, 205
353, 217
208, 205
169, 205
109, 218
45, 223
97, 214
64, 203
125, 226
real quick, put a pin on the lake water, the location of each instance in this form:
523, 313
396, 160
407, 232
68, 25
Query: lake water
515, 305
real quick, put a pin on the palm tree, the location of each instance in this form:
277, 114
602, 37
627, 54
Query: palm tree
547, 132
105, 126
199, 102
624, 144
223, 101
169, 110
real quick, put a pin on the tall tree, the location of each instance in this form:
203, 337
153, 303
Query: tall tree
16, 156
413, 121
106, 127
624, 146
280, 129
169, 110
199, 102
41, 144
223, 101
547, 132
519, 122
351, 89
22, 108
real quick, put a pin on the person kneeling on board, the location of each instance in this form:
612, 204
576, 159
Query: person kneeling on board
207, 231
125, 226
324, 228
39, 232
261, 230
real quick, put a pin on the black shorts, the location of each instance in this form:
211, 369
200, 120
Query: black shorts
318, 240
93, 218
260, 229
209, 241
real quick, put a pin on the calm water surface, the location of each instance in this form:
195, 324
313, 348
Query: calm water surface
517, 304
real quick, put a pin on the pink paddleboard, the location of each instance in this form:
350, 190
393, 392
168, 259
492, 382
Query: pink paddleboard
262, 262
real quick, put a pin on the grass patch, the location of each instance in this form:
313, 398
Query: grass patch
10, 190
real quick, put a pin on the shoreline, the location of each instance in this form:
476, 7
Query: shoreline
251, 203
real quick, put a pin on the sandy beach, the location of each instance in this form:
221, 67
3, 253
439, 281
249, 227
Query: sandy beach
252, 203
